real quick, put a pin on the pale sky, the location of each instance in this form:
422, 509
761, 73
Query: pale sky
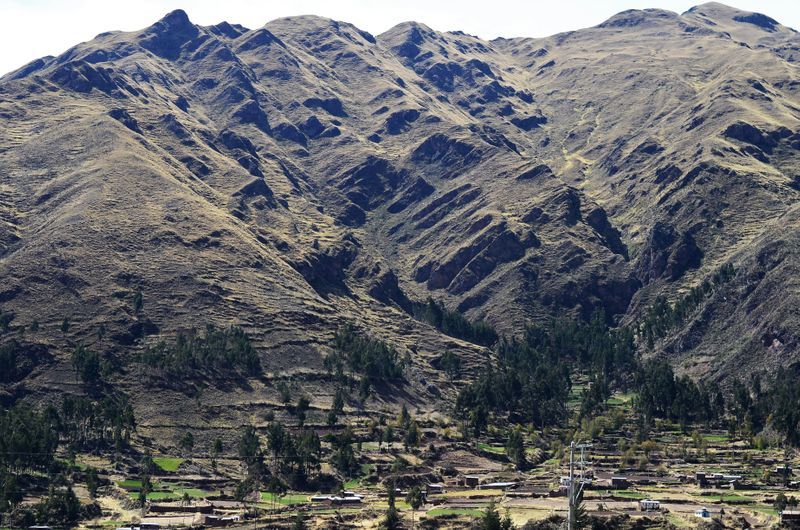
33, 28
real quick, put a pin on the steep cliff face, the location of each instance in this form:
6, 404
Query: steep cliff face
304, 174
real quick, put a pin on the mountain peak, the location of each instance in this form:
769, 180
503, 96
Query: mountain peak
176, 19
638, 17
718, 13
166, 37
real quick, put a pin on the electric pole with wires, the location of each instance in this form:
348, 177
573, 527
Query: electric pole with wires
577, 482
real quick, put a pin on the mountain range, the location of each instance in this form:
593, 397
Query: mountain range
295, 177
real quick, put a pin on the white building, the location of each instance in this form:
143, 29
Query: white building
648, 505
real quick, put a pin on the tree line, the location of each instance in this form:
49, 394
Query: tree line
454, 323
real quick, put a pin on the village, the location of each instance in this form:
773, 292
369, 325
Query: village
682, 479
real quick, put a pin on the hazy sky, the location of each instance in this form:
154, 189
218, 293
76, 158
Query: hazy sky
33, 28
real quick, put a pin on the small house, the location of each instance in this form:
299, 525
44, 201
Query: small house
320, 498
790, 516
346, 500
472, 481
619, 483
352, 494
497, 486
648, 505
434, 489
703, 513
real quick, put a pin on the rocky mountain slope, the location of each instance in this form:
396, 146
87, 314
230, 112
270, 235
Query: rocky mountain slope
305, 174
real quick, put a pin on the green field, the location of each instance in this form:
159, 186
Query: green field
621, 399
496, 449
168, 464
717, 438
726, 497
130, 484
286, 500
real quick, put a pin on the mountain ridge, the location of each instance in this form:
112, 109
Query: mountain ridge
305, 174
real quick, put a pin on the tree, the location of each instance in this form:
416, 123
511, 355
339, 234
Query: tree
87, 365
343, 458
249, 445
303, 404
415, 499
244, 490
187, 442
65, 324
391, 520
92, 482
308, 449
515, 448
451, 364
337, 407
411, 439
780, 502
405, 418
11, 494
299, 522
276, 489
277, 440
138, 302
60, 508
101, 333
5, 320
286, 394
331, 419
146, 468
479, 419
216, 450
491, 519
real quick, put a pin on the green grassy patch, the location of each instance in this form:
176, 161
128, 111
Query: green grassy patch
717, 438
496, 449
194, 493
158, 496
726, 497
352, 483
290, 499
130, 484
621, 399
162, 492
766, 510
168, 464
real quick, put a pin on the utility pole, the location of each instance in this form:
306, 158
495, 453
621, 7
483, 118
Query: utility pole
576, 483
